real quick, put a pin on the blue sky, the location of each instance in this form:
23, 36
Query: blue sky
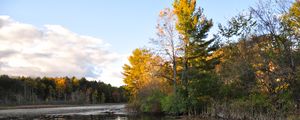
124, 25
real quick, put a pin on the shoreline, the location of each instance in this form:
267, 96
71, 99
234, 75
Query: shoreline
8, 107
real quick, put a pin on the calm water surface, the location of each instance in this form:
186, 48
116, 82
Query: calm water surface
96, 112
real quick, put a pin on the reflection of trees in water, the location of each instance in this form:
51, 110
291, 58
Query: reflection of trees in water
104, 117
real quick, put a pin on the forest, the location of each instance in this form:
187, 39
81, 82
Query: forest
249, 69
58, 90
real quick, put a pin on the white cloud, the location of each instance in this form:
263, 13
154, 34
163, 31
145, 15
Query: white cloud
56, 51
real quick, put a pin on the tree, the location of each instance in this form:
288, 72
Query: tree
142, 79
187, 20
48, 90
138, 72
291, 23
198, 60
168, 43
261, 59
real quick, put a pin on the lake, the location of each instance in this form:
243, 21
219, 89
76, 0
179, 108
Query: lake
90, 112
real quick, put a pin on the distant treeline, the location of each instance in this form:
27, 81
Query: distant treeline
58, 90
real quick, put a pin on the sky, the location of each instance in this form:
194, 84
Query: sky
85, 38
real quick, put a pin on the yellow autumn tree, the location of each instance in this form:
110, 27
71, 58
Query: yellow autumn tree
142, 79
292, 18
141, 70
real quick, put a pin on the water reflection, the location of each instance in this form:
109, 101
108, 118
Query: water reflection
95, 112
105, 117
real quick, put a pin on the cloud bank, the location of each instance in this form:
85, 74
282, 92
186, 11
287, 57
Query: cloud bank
53, 50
